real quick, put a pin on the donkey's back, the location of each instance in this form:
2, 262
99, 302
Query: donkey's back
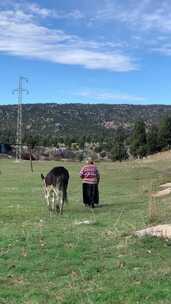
56, 175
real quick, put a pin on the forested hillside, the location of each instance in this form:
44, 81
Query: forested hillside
76, 120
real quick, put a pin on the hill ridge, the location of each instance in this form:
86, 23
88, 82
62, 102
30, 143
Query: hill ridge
76, 119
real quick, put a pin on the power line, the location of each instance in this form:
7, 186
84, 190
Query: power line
19, 91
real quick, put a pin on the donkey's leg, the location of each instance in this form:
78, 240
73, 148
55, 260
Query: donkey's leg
53, 200
61, 201
57, 208
48, 198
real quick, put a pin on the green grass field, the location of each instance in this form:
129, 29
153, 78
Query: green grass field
52, 260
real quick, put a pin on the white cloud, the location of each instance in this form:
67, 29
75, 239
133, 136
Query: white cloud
21, 34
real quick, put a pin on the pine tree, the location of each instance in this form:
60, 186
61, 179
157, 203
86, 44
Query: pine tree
152, 140
119, 152
138, 144
164, 134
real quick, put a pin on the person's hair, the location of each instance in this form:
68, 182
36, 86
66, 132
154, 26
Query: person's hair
89, 160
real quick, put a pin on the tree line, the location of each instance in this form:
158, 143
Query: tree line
144, 140
139, 141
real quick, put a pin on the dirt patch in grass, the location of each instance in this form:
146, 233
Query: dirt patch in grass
167, 185
162, 231
161, 193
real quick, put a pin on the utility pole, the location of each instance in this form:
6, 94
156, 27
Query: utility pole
19, 91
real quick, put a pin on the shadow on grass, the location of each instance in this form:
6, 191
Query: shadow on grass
104, 205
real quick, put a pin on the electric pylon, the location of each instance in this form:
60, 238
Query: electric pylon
19, 92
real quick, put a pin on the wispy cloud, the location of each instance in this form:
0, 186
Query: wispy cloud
165, 49
23, 34
52, 13
110, 96
34, 9
146, 14
146, 22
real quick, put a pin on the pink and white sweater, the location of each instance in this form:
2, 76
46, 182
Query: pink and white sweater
90, 174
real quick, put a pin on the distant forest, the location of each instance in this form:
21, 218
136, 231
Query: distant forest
107, 125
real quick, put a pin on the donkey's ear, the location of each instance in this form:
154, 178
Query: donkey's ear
42, 176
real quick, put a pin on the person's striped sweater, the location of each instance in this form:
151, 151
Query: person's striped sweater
90, 174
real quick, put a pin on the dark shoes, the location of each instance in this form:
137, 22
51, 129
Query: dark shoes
89, 206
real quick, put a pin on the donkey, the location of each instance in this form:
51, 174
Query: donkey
55, 187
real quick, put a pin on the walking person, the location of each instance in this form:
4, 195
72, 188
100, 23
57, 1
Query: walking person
90, 177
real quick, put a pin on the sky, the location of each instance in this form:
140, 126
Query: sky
86, 51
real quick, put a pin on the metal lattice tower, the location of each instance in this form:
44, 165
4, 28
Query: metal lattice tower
19, 92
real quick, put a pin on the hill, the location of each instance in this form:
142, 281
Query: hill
76, 119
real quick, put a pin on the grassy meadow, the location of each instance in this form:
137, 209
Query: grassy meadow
53, 260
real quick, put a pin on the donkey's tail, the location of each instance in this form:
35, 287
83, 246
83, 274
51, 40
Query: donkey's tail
65, 193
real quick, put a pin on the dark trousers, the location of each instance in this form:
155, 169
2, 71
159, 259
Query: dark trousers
90, 194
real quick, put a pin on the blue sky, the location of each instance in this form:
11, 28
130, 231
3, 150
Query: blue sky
98, 51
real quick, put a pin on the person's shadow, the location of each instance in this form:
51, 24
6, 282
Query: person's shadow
102, 205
